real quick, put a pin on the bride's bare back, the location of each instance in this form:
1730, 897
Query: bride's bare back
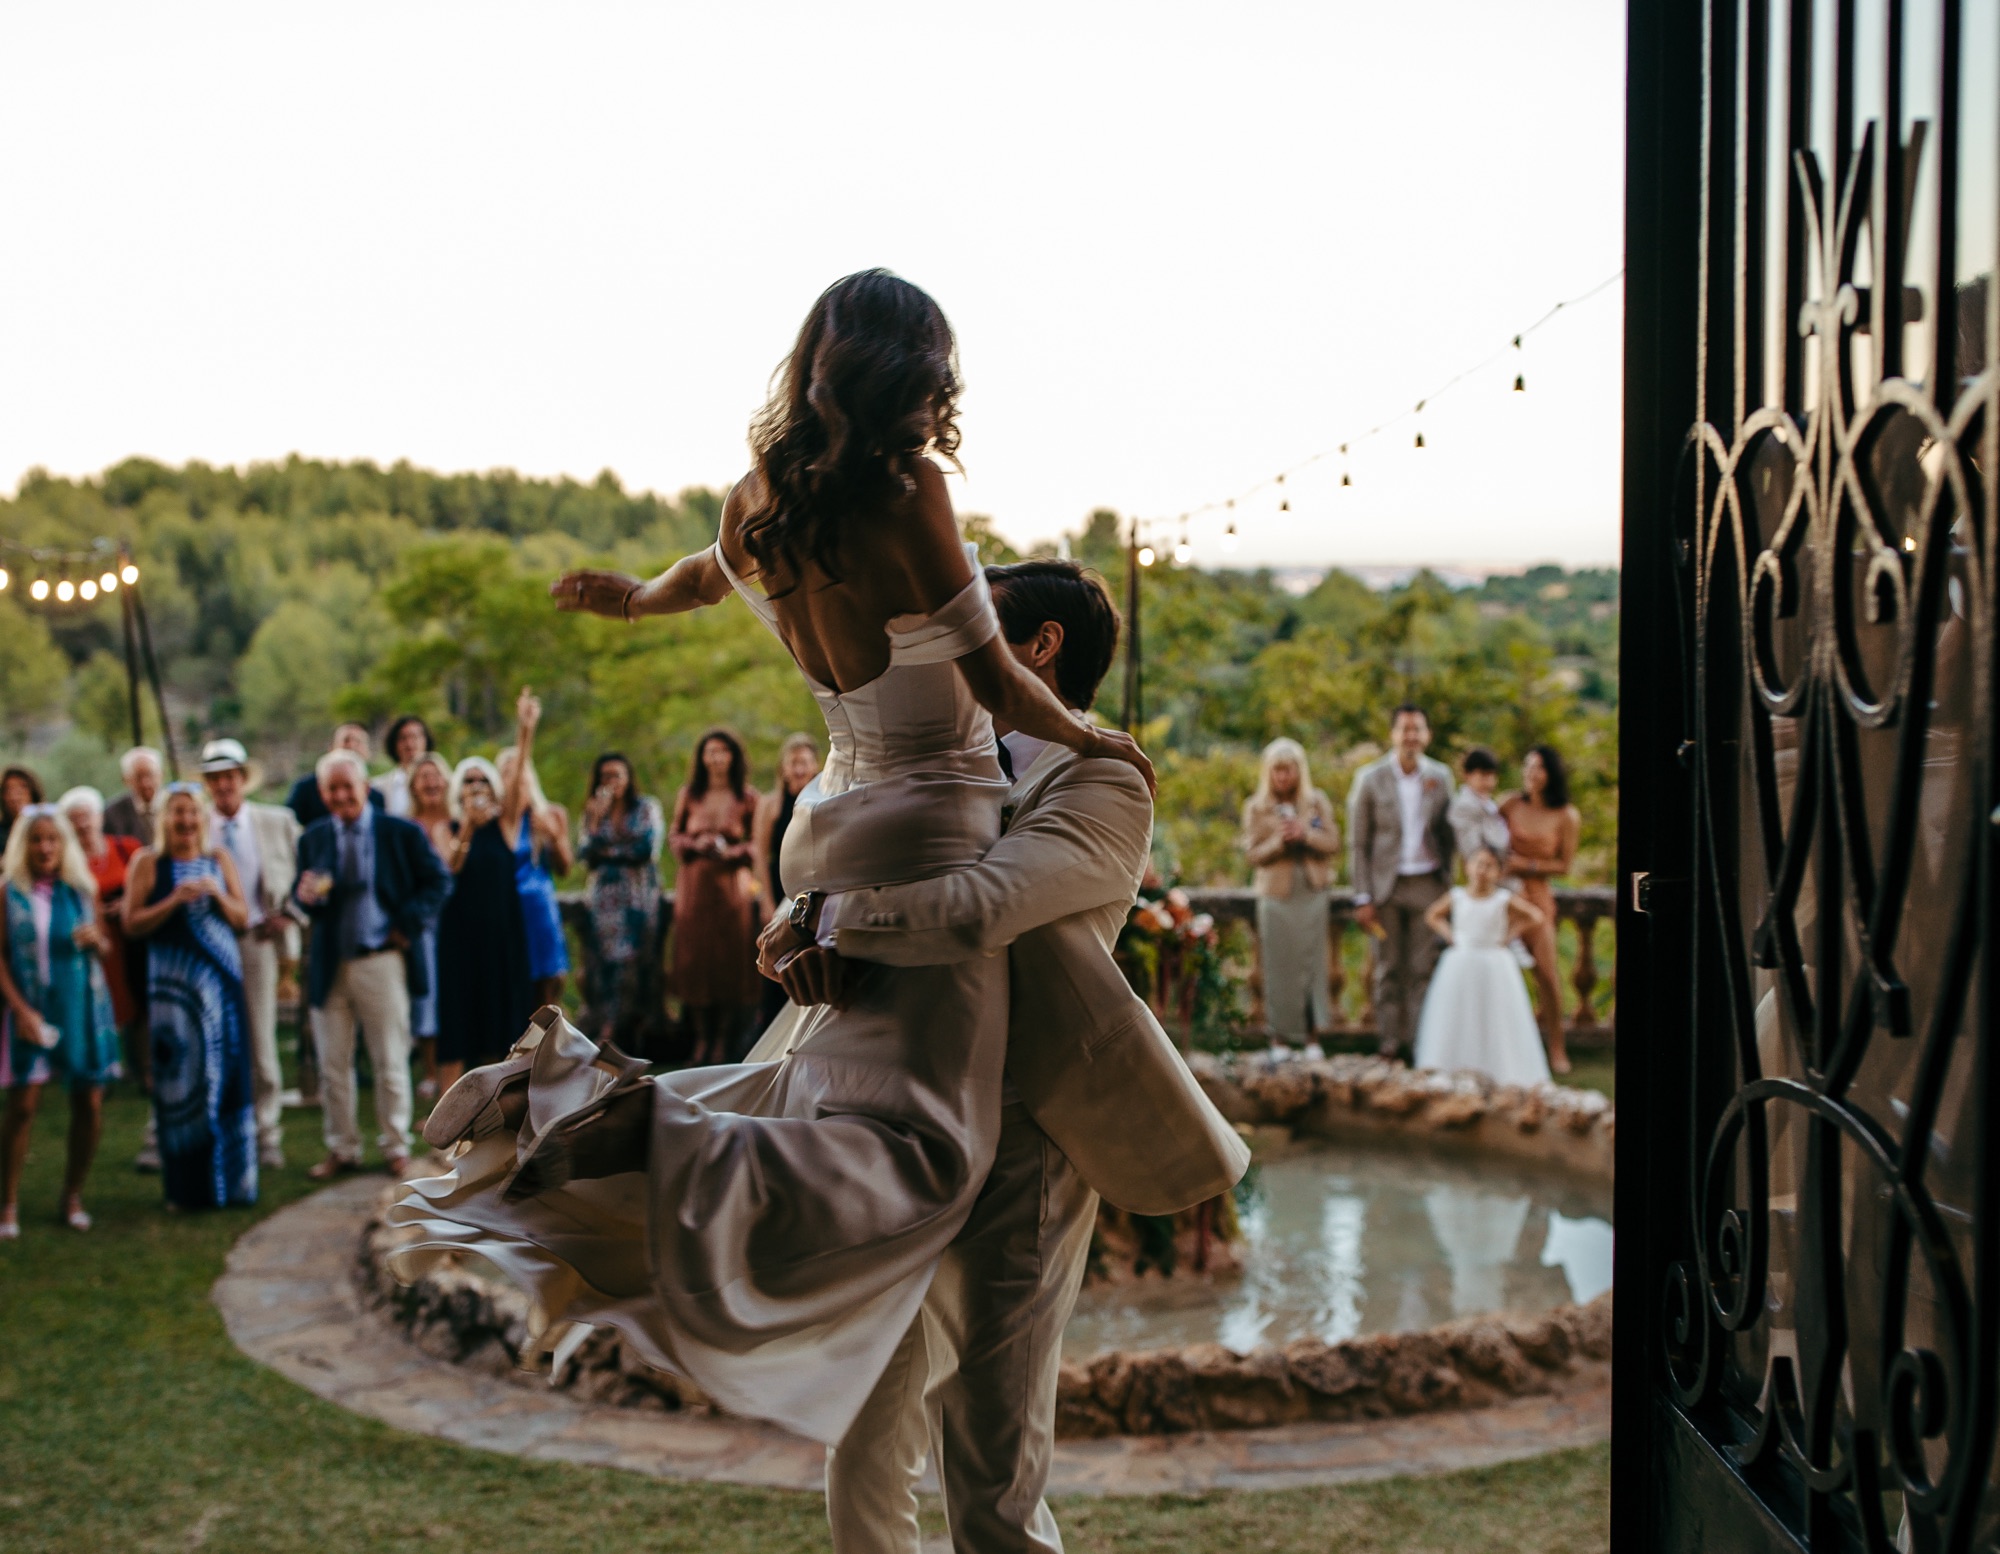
905, 560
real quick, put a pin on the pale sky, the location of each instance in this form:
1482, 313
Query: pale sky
1184, 246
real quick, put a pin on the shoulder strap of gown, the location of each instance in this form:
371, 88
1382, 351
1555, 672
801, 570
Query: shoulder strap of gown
954, 629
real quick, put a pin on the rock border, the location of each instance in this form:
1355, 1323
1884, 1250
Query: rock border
1346, 1096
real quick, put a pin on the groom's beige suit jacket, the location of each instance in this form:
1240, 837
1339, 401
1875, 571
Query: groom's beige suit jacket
1086, 1056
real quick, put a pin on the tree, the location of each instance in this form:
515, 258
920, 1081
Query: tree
33, 672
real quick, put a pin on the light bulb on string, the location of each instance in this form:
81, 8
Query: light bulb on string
1284, 501
65, 591
108, 583
128, 573
1183, 551
1520, 378
3, 579
1345, 478
1420, 425
87, 590
1146, 556
1229, 534
38, 590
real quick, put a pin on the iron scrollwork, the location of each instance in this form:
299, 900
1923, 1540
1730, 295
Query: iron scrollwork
1831, 1325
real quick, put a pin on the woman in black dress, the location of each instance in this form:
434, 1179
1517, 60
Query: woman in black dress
484, 992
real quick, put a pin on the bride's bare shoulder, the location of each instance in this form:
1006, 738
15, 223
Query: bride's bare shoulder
736, 505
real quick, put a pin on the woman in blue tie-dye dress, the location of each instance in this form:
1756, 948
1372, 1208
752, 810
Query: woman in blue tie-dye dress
186, 901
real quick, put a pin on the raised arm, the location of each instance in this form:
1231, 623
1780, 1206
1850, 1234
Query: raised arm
689, 584
939, 572
514, 792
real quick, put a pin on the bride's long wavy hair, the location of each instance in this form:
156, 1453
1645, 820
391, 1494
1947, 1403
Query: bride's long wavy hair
871, 383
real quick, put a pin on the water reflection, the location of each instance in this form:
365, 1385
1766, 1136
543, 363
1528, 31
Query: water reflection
1341, 1242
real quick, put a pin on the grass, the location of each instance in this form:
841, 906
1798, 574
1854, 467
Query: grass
128, 1422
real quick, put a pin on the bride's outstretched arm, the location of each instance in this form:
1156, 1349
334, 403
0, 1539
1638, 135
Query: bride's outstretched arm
690, 583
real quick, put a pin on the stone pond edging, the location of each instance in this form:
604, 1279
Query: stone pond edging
455, 1315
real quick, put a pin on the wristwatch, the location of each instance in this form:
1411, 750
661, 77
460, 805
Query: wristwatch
805, 912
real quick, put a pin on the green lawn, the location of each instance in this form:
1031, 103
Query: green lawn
129, 1423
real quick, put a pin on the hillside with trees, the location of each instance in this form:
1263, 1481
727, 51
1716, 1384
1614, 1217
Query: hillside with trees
284, 597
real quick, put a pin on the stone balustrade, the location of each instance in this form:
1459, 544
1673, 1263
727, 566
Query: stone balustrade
1584, 906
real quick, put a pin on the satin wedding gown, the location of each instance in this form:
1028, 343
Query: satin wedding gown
1477, 1013
792, 1213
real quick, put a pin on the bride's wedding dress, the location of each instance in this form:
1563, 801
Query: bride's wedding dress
785, 1231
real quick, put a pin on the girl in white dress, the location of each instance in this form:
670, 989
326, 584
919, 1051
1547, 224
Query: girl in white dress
770, 1229
1477, 1014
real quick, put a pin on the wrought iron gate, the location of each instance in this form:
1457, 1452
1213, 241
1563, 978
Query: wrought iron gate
1809, 1180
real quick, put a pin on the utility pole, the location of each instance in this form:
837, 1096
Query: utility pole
1135, 704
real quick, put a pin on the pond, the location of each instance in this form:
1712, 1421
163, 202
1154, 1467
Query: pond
1346, 1240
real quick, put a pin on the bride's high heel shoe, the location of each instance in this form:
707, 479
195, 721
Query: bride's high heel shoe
550, 1049
543, 1152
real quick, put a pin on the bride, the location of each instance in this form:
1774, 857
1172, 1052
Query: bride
769, 1229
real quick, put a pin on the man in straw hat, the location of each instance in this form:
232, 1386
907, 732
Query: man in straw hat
263, 840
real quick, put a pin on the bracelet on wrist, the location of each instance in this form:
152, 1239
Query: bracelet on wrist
625, 604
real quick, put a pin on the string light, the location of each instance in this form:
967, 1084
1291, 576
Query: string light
39, 589
1514, 343
108, 583
65, 591
86, 590
1284, 502
3, 579
1146, 556
128, 573
1183, 551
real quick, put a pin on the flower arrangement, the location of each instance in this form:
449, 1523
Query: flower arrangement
1173, 957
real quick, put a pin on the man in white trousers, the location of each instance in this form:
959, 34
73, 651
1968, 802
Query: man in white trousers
1097, 1100
263, 841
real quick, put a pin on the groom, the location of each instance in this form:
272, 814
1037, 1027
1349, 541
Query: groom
1097, 1101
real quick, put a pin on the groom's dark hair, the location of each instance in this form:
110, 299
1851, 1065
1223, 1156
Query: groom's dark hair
1030, 592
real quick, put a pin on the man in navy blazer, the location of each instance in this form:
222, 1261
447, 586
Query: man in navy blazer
369, 885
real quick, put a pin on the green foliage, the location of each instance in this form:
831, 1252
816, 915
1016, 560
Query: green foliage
32, 668
285, 596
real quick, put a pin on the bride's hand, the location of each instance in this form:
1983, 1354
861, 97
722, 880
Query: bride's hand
1121, 746
595, 593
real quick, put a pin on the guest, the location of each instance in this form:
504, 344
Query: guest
262, 841
369, 884
133, 812
109, 859
430, 809
543, 843
19, 788
186, 900
1399, 832
1476, 1014
409, 742
622, 830
59, 1021
1476, 821
715, 957
798, 764
485, 993
1289, 833
305, 800
1544, 827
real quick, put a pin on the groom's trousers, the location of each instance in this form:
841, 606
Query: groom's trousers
974, 1381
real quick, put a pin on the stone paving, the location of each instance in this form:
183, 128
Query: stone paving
289, 1301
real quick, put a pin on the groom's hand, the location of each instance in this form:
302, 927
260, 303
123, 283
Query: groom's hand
815, 976
777, 940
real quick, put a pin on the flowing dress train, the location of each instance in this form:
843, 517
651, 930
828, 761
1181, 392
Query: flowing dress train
792, 1214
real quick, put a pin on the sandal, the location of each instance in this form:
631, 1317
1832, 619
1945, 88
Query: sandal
471, 1108
543, 1159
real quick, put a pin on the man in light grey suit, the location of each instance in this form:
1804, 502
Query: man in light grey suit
263, 841
1399, 827
1098, 1100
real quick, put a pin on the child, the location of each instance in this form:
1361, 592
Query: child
1477, 1014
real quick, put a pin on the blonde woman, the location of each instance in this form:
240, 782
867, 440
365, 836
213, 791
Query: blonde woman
485, 993
1289, 833
183, 897
57, 1003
